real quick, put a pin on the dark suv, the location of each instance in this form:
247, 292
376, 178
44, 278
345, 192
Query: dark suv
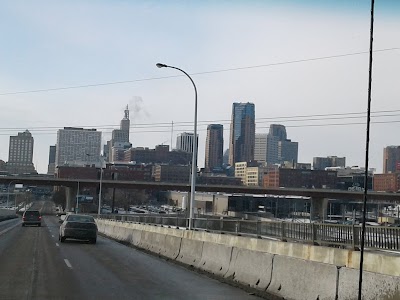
31, 217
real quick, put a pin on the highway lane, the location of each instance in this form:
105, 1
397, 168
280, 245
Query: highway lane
35, 265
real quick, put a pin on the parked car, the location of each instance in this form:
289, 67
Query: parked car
78, 226
32, 217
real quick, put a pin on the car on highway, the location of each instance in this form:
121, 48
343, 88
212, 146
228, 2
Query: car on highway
78, 226
32, 217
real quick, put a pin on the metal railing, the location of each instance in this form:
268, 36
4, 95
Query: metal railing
335, 235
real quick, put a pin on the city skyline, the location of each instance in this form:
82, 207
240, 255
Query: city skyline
273, 127
290, 58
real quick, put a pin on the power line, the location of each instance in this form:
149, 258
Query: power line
196, 73
226, 129
295, 118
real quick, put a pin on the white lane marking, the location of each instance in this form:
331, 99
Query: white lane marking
67, 263
57, 245
52, 235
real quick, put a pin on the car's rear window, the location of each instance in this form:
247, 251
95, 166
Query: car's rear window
84, 219
32, 213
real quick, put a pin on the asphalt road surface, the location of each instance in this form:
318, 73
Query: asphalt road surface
35, 265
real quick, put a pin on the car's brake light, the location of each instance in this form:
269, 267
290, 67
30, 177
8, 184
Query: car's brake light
23, 218
40, 217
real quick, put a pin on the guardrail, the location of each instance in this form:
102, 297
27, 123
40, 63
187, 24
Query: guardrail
336, 235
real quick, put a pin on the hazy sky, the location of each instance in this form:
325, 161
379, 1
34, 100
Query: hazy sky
57, 44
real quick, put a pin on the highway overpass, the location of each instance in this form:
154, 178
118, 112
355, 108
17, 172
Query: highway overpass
317, 193
319, 197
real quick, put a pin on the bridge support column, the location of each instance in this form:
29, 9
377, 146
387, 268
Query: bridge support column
70, 196
319, 208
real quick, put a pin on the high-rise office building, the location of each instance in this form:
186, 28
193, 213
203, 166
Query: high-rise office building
78, 146
51, 168
391, 159
260, 147
279, 147
125, 122
185, 142
272, 150
242, 133
320, 163
119, 136
214, 146
288, 151
278, 131
20, 154
225, 157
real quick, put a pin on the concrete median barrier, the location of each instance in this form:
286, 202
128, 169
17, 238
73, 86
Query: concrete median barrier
135, 235
171, 247
375, 286
215, 258
151, 241
285, 270
294, 278
251, 268
108, 229
190, 252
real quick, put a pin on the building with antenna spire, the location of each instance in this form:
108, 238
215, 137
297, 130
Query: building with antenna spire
125, 122
119, 139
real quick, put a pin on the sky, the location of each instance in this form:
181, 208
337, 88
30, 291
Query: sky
304, 64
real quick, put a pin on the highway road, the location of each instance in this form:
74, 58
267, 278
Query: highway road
35, 265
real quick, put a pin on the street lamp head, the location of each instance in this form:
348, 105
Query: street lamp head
161, 65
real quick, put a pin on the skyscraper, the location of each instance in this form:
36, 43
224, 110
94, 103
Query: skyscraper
51, 168
391, 159
242, 135
125, 122
119, 138
279, 147
20, 154
214, 146
260, 147
288, 151
185, 142
78, 146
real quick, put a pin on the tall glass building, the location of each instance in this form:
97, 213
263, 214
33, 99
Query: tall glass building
242, 135
214, 147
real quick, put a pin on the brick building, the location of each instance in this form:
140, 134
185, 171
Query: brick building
296, 178
171, 173
159, 155
389, 182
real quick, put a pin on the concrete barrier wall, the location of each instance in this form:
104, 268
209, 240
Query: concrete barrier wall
172, 247
215, 258
190, 252
294, 278
251, 268
374, 287
151, 241
285, 270
6, 212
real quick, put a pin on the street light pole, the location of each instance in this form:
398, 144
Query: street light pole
194, 157
364, 212
77, 200
101, 181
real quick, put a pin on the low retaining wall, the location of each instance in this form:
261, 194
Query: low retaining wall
285, 270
